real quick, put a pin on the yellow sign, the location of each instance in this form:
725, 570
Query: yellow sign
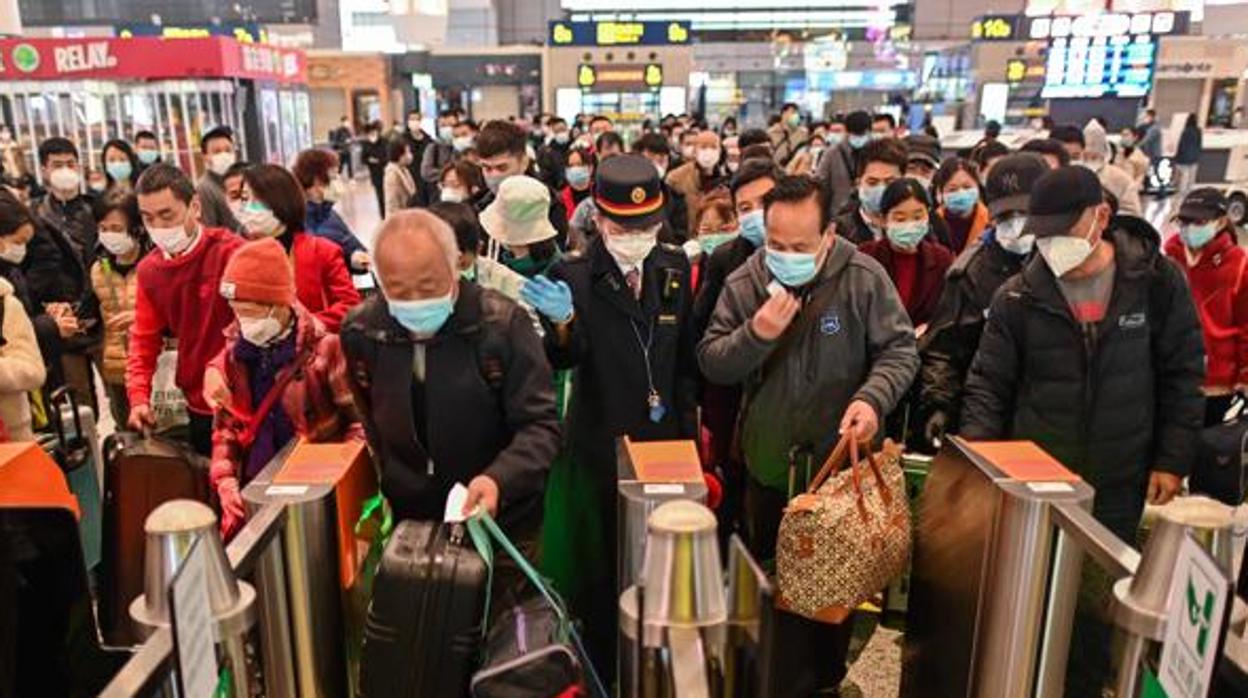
622, 33
654, 75
1015, 70
994, 28
586, 76
561, 34
677, 33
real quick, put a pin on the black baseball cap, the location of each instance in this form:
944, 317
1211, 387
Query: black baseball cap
627, 190
1009, 184
923, 148
1202, 204
1058, 199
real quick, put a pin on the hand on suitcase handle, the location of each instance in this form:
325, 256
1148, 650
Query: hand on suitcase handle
483, 491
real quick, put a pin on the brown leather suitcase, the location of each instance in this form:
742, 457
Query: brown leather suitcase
140, 474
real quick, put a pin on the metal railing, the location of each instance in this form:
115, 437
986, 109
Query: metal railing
151, 665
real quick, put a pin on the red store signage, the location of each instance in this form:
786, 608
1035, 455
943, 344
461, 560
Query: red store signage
148, 58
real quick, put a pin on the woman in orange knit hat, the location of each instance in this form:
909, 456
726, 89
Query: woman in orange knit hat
285, 375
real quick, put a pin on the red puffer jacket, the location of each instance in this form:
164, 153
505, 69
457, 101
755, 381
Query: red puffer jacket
322, 282
317, 400
1220, 291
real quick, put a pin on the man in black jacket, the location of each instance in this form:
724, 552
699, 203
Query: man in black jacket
478, 407
375, 159
58, 261
621, 316
953, 333
1094, 351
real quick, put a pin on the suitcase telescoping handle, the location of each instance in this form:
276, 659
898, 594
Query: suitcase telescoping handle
481, 528
75, 449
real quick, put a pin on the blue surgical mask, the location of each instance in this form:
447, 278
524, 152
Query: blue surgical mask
1197, 235
422, 317
856, 141
793, 269
753, 227
907, 235
148, 155
834, 138
962, 201
119, 169
870, 198
578, 176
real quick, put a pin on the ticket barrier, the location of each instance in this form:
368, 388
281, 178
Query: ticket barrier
650, 473
1001, 537
297, 551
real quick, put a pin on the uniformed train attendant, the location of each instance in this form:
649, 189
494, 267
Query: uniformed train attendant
620, 314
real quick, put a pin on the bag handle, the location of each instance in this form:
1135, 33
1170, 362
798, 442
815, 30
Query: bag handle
831, 466
481, 528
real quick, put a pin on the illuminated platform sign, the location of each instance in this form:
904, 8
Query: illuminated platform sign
618, 33
996, 28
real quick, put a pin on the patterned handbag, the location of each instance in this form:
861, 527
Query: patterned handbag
846, 537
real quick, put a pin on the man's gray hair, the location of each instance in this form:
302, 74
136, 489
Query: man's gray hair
419, 222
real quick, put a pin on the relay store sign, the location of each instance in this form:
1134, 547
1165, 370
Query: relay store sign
148, 58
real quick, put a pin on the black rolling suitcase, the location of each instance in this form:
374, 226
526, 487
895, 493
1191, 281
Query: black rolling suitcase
424, 622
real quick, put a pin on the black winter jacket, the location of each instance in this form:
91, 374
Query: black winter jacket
1111, 401
606, 344
487, 402
954, 330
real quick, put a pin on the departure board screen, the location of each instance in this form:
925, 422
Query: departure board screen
1102, 66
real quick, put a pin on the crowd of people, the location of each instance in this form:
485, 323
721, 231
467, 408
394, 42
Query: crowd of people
548, 288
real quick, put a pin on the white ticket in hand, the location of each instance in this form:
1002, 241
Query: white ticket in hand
455, 504
775, 288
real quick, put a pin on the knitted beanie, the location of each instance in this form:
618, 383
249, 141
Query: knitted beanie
259, 272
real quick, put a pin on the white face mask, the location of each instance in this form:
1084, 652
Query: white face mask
220, 163
1010, 235
119, 244
462, 143
260, 331
65, 179
13, 253
1064, 253
172, 240
258, 220
707, 157
453, 196
630, 250
661, 169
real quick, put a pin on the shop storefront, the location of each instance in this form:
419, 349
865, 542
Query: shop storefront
353, 85
486, 83
1204, 75
628, 71
93, 90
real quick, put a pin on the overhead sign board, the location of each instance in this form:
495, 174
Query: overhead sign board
618, 33
146, 58
1107, 24
612, 76
245, 32
996, 28
1081, 67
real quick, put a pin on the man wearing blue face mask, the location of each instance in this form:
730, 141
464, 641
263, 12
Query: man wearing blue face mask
838, 167
477, 407
1094, 352
880, 163
815, 332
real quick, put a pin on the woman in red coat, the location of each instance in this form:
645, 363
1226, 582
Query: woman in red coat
1206, 250
273, 206
915, 262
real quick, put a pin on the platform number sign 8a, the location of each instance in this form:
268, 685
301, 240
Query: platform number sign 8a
1197, 607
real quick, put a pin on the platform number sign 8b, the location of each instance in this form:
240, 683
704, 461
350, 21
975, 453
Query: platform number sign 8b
1197, 608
